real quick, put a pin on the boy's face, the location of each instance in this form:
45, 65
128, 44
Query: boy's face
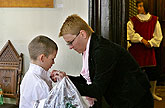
49, 61
140, 8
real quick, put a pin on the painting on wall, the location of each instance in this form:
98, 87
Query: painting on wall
27, 3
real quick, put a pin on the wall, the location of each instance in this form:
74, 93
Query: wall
21, 25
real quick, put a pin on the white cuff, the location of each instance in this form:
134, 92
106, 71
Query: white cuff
140, 39
150, 43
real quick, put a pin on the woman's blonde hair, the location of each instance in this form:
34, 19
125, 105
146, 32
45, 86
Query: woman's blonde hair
73, 24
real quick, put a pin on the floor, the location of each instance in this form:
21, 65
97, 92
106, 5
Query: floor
160, 91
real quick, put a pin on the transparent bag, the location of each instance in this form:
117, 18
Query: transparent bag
63, 95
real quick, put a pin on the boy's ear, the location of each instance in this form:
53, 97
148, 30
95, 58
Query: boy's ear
41, 58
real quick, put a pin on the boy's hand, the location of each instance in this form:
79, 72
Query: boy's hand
57, 75
146, 43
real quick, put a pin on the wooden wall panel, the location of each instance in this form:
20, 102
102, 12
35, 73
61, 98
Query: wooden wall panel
27, 3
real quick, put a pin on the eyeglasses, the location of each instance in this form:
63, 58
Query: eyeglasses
70, 43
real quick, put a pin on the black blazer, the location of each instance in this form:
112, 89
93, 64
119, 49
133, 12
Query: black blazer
114, 74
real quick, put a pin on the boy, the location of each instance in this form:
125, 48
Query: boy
144, 33
37, 83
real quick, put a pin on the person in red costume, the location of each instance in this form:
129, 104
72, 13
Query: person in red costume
144, 33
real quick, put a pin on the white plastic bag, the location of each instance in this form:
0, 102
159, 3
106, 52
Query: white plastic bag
63, 95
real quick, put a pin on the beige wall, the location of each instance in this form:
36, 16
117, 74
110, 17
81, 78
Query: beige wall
21, 25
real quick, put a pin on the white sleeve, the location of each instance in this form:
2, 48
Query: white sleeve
131, 35
39, 92
157, 36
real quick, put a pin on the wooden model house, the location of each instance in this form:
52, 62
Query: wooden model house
10, 71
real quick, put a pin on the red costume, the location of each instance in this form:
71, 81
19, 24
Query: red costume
143, 55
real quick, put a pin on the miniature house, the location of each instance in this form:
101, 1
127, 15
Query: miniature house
10, 71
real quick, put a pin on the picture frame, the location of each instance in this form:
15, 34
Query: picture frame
27, 3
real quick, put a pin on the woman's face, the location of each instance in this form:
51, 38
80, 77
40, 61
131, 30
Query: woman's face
76, 42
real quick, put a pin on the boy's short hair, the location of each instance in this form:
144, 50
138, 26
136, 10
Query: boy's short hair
145, 5
41, 45
73, 24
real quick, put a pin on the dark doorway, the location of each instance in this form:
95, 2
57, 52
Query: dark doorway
108, 18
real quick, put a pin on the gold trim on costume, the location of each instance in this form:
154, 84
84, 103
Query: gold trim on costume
144, 20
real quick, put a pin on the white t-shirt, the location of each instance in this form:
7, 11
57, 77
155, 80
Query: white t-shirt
35, 85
